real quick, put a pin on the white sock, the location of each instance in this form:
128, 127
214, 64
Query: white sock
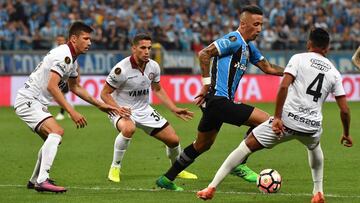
173, 153
48, 154
35, 173
120, 146
316, 163
233, 160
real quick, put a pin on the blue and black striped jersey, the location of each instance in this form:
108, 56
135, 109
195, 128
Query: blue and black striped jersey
229, 67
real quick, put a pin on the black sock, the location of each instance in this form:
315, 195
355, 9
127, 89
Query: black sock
187, 156
62, 111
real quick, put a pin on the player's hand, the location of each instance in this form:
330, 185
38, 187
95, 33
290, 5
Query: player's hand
124, 112
200, 98
346, 141
278, 127
109, 109
184, 114
78, 119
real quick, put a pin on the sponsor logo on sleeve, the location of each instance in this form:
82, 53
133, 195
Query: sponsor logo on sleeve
232, 38
151, 76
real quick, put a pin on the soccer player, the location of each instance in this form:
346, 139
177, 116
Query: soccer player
356, 58
309, 78
58, 67
231, 56
127, 87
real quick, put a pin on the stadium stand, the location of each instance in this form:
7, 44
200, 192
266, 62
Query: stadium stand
185, 25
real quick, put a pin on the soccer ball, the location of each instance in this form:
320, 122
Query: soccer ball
269, 181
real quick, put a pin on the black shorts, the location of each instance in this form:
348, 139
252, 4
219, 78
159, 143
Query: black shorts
219, 110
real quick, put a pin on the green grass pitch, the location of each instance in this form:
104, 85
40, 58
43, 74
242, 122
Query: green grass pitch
85, 155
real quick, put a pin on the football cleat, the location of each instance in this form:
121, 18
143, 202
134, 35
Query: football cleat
318, 198
114, 174
207, 193
186, 175
31, 185
244, 172
49, 187
164, 182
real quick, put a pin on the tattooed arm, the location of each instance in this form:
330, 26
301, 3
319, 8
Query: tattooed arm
270, 68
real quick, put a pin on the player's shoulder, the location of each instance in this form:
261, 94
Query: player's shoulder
61, 52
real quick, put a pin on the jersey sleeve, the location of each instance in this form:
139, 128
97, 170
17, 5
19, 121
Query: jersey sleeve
115, 77
227, 45
74, 72
58, 66
157, 73
255, 54
338, 88
292, 66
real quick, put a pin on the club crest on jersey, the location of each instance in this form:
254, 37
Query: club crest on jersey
117, 71
67, 60
151, 76
232, 38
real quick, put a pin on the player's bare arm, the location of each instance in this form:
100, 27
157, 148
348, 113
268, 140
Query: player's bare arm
356, 58
108, 99
270, 68
182, 113
277, 125
54, 90
346, 139
76, 88
205, 56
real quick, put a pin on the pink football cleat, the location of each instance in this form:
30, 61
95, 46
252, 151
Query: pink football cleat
49, 186
318, 198
207, 193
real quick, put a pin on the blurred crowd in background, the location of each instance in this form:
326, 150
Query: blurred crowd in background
185, 25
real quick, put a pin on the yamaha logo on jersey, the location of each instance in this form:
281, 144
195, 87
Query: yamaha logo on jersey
67, 60
117, 71
151, 76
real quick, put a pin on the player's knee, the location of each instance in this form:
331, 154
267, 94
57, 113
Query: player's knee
174, 142
128, 131
59, 131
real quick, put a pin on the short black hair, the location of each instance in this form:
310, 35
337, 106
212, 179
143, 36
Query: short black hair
140, 36
77, 27
319, 37
253, 9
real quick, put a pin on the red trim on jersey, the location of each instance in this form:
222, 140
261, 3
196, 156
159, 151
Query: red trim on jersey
54, 71
134, 65
72, 50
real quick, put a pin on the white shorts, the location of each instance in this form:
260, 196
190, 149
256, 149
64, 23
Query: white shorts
148, 120
31, 111
267, 138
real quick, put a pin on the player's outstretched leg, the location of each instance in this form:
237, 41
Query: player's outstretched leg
207, 193
49, 186
244, 172
318, 198
164, 182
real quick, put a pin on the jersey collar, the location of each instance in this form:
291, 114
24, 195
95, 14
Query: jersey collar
72, 50
242, 37
134, 65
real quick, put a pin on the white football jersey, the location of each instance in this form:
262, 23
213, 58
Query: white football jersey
58, 60
132, 87
315, 77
